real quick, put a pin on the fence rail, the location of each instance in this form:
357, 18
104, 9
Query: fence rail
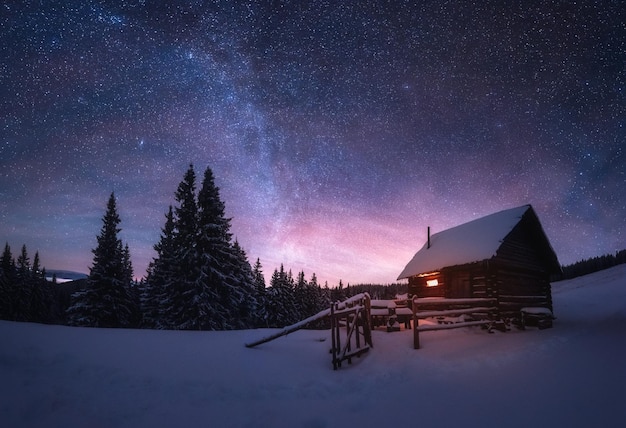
354, 315
433, 308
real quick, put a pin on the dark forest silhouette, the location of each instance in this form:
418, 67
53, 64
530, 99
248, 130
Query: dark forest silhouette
200, 278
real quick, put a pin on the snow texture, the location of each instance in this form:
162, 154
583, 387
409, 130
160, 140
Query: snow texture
537, 311
469, 242
387, 304
572, 375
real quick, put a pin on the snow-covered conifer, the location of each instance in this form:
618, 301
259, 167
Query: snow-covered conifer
280, 302
7, 277
204, 280
180, 300
106, 302
161, 275
259, 285
226, 276
246, 310
22, 288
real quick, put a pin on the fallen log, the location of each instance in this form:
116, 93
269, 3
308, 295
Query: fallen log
290, 329
297, 326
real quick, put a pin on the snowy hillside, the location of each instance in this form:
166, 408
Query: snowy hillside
573, 375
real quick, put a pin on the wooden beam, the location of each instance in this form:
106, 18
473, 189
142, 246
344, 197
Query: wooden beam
452, 312
290, 329
435, 327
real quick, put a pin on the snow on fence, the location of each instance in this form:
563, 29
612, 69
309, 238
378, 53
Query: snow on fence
436, 307
290, 329
353, 314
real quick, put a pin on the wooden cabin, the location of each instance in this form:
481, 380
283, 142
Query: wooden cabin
506, 256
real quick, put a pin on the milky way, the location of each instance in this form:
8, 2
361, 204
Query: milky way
337, 131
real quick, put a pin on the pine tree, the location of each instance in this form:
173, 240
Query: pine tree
259, 279
260, 294
7, 263
133, 290
216, 284
7, 283
226, 276
320, 301
273, 308
313, 302
22, 288
36, 269
23, 264
246, 311
127, 266
205, 281
5, 298
280, 303
182, 304
186, 221
42, 301
338, 294
161, 275
301, 297
106, 302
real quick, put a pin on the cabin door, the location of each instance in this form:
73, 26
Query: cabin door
459, 286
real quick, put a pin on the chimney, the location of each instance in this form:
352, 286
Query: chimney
428, 231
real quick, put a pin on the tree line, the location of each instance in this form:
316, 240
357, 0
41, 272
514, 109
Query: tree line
593, 264
200, 279
25, 294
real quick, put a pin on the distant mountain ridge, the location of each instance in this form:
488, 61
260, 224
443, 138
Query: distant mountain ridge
64, 275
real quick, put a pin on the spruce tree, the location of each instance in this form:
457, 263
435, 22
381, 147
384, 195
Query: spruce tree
301, 297
181, 303
106, 301
204, 280
133, 290
5, 298
23, 264
338, 294
7, 283
22, 288
246, 311
260, 294
215, 258
259, 279
186, 221
7, 263
280, 302
36, 269
321, 299
226, 276
272, 302
42, 301
161, 275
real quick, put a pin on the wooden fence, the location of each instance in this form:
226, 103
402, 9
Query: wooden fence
354, 316
482, 310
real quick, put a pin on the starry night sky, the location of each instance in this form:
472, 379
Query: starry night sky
337, 131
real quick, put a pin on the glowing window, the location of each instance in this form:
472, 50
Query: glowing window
432, 283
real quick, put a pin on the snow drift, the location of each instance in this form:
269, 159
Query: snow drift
571, 375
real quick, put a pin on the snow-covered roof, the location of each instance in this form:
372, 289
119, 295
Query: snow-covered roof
469, 242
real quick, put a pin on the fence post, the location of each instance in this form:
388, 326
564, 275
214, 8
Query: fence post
416, 333
367, 329
333, 328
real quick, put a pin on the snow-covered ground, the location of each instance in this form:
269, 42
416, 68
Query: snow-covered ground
573, 375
